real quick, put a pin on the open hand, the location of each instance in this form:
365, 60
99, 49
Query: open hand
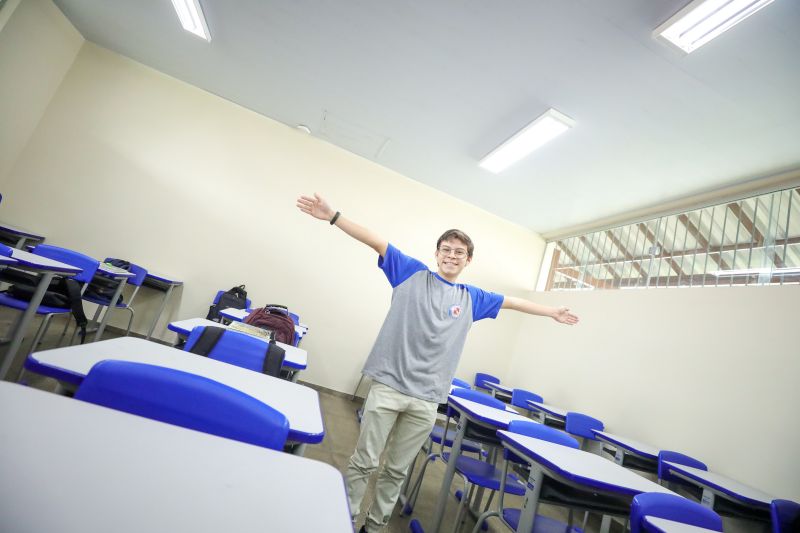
317, 207
563, 315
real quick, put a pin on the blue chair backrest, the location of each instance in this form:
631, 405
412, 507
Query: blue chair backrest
538, 431
295, 318
520, 397
671, 507
481, 379
247, 301
6, 250
139, 273
460, 383
71, 257
185, 400
675, 457
478, 397
785, 516
582, 425
233, 347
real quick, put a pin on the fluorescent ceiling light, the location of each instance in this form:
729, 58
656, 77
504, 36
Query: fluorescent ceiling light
191, 16
753, 271
702, 20
549, 125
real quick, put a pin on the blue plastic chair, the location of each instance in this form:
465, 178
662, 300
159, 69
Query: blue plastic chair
465, 462
139, 273
520, 397
185, 400
510, 516
581, 425
671, 507
234, 347
672, 481
460, 383
785, 516
438, 436
481, 379
87, 264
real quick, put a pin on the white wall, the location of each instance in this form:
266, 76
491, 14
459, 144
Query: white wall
37, 47
128, 162
708, 372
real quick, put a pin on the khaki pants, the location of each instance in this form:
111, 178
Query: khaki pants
409, 421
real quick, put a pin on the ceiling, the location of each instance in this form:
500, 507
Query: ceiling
428, 88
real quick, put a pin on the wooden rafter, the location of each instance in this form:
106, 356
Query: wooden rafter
636, 264
598, 255
716, 252
758, 237
670, 259
702, 241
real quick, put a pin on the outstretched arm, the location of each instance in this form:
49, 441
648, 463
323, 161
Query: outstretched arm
559, 314
317, 207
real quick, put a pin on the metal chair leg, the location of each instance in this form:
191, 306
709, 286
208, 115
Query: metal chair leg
37, 340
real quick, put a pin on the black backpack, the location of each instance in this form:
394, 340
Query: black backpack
235, 298
103, 288
63, 292
273, 355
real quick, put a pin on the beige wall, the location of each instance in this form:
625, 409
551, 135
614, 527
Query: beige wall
128, 162
708, 372
37, 47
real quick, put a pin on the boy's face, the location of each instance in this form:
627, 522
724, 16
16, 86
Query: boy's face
451, 258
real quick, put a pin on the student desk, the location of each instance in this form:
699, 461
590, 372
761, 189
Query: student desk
501, 392
238, 315
161, 283
296, 358
595, 484
47, 268
121, 276
549, 414
475, 415
70, 466
724, 495
630, 453
20, 237
298, 403
662, 525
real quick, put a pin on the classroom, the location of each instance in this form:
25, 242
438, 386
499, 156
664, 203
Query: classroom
122, 135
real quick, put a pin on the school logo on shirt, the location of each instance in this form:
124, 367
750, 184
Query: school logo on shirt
455, 311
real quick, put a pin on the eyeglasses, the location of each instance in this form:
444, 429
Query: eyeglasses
459, 253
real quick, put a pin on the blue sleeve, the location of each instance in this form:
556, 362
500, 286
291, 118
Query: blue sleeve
484, 304
398, 267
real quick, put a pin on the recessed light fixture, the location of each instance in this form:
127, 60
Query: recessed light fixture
547, 126
702, 20
191, 16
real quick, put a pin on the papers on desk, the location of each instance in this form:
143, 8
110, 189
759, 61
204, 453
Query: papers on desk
252, 330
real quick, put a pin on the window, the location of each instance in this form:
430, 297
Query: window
753, 241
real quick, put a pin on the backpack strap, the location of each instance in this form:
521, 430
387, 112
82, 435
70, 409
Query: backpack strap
273, 359
72, 289
207, 340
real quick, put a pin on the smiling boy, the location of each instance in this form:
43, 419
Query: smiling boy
415, 356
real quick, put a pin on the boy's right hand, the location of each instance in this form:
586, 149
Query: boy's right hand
317, 207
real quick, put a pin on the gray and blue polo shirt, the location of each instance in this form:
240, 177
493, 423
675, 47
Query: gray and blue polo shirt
421, 340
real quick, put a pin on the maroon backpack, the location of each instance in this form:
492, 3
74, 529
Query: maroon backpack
274, 318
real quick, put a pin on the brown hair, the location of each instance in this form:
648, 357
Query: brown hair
458, 235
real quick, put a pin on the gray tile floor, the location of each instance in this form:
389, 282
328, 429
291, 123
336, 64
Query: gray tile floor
341, 433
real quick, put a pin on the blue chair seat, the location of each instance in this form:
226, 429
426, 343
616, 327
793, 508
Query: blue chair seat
486, 475
103, 301
466, 444
8, 301
542, 524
